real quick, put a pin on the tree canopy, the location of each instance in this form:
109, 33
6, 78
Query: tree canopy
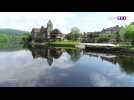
127, 33
75, 34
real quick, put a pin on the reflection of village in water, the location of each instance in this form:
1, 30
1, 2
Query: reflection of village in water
48, 53
51, 53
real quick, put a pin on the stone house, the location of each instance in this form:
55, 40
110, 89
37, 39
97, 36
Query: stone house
46, 34
39, 34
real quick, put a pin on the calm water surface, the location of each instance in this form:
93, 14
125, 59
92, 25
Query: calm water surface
52, 67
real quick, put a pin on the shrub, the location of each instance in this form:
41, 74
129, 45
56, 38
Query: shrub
103, 38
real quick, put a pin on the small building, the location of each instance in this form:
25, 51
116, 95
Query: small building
56, 34
39, 34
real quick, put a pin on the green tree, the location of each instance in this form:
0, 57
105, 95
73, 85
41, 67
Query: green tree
117, 36
127, 34
75, 34
26, 37
91, 37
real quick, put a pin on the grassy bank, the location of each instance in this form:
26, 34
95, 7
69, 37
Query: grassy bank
65, 43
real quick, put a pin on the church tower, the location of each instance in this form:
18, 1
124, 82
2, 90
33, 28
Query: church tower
49, 28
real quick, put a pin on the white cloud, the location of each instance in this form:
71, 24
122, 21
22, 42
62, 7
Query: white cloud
100, 80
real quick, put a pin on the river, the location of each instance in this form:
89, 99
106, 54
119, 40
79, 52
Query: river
64, 67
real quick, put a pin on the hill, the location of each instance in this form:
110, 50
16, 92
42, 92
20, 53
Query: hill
12, 31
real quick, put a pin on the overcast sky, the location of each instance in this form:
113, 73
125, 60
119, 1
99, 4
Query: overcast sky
85, 21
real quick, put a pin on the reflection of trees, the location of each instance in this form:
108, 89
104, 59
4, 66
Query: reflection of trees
56, 52
111, 60
127, 64
74, 53
103, 56
46, 52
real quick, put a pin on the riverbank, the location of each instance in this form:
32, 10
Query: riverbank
65, 43
114, 50
92, 46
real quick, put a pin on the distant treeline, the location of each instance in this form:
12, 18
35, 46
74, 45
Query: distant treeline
13, 40
12, 31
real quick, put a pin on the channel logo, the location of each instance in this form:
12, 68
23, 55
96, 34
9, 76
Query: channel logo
121, 17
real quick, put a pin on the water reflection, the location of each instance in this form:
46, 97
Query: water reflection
51, 53
48, 53
70, 67
74, 53
103, 56
126, 63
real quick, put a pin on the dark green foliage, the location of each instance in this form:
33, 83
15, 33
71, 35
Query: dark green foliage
126, 64
103, 38
90, 38
116, 36
127, 34
26, 37
13, 40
